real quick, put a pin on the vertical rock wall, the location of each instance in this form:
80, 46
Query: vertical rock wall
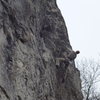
32, 35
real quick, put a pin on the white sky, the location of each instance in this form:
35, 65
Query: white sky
82, 18
83, 22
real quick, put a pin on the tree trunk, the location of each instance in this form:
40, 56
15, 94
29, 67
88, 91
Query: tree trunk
32, 35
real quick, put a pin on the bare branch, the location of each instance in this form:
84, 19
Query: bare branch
90, 76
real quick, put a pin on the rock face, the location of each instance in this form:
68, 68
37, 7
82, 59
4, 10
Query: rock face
32, 35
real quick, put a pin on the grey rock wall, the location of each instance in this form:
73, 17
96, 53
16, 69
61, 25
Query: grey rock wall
32, 35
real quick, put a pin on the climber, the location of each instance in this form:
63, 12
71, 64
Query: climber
67, 58
61, 60
72, 55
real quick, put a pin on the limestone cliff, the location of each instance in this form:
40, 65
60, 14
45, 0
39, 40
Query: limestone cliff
32, 35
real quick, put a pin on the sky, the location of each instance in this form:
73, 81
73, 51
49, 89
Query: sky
82, 19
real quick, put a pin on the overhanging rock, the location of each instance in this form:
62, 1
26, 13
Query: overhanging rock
32, 35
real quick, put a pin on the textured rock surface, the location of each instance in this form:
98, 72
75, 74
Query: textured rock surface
32, 35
